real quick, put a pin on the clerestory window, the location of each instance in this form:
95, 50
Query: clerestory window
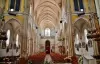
78, 5
15, 5
47, 32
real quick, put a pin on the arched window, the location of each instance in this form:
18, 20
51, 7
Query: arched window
78, 4
15, 5
47, 32
85, 34
77, 44
77, 39
8, 36
17, 37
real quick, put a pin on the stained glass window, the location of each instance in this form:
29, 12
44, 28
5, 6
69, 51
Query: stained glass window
47, 32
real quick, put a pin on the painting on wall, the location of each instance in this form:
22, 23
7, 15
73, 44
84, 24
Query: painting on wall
10, 46
14, 46
83, 44
86, 47
79, 45
17, 48
7, 50
75, 45
89, 43
77, 48
3, 44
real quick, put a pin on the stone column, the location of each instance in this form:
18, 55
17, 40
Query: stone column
32, 46
22, 46
70, 36
24, 36
95, 47
97, 3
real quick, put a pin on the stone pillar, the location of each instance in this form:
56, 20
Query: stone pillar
66, 45
97, 3
24, 37
95, 47
23, 46
31, 46
34, 46
70, 36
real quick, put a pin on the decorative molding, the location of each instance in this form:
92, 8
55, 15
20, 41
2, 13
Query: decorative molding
46, 37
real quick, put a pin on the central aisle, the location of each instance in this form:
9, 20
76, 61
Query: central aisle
52, 58
48, 59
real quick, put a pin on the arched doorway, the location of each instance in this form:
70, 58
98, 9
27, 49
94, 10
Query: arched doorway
47, 47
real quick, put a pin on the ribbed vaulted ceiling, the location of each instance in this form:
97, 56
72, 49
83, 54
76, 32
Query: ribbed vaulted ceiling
47, 12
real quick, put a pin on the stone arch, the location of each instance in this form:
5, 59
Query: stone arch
80, 24
13, 19
16, 29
